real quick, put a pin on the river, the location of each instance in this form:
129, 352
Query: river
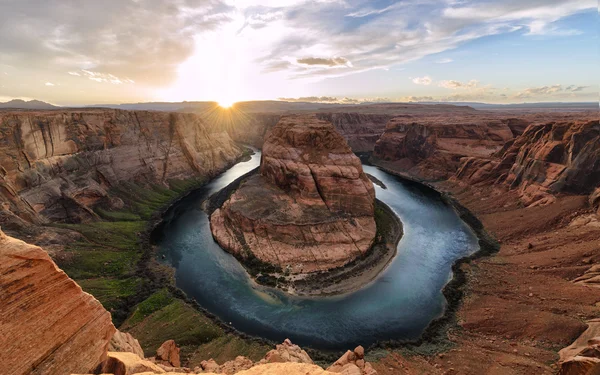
397, 305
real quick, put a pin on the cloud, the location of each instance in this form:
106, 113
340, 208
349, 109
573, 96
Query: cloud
426, 80
143, 40
49, 84
573, 88
444, 61
378, 38
370, 11
334, 61
74, 74
104, 77
335, 100
540, 91
417, 99
452, 84
312, 99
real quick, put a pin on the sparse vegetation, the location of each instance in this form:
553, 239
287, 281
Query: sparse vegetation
106, 261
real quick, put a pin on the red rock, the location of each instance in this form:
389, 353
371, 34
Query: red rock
125, 363
545, 160
169, 352
124, 342
311, 207
582, 357
48, 325
432, 147
287, 352
55, 165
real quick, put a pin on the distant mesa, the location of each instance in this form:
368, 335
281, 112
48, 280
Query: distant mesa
22, 104
311, 207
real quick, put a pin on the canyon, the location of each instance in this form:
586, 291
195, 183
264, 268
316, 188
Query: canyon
57, 166
311, 207
84, 184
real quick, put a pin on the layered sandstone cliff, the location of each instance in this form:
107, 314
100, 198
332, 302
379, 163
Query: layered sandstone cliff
48, 325
547, 159
55, 165
432, 147
311, 207
361, 130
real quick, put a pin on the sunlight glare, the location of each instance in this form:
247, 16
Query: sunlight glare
226, 103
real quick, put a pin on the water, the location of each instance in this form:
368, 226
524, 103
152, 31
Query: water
398, 305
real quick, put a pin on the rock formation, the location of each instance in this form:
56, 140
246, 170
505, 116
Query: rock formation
432, 147
124, 342
546, 159
583, 356
361, 130
48, 325
287, 352
595, 200
56, 165
353, 363
311, 208
169, 353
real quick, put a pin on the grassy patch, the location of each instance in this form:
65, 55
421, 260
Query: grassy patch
106, 263
177, 321
226, 348
111, 292
154, 303
117, 215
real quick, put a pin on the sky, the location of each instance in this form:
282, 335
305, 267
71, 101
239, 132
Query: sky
76, 52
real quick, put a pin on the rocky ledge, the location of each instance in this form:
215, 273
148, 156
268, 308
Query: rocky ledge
311, 207
547, 159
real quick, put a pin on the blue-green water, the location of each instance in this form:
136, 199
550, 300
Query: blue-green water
398, 305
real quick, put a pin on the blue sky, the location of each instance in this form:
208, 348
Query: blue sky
502, 51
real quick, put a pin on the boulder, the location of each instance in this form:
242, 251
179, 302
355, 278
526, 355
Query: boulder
287, 352
124, 342
169, 353
352, 363
582, 357
48, 325
124, 363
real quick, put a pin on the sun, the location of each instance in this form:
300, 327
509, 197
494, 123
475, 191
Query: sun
226, 103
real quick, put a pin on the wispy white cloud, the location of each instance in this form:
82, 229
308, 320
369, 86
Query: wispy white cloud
425, 80
49, 84
444, 61
102, 77
452, 84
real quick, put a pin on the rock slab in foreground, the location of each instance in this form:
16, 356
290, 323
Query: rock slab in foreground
48, 325
310, 209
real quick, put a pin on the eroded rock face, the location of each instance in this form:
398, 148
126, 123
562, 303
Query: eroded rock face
595, 200
583, 356
432, 148
55, 165
546, 159
311, 207
361, 130
287, 352
48, 325
125, 342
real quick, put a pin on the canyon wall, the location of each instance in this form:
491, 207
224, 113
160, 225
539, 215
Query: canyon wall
311, 207
361, 130
48, 325
54, 166
547, 159
432, 147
